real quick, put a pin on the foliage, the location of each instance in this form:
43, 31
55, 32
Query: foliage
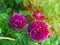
49, 8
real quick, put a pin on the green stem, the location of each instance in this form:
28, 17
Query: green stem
7, 38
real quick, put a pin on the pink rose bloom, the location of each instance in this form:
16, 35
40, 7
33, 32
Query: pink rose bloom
37, 30
17, 21
37, 15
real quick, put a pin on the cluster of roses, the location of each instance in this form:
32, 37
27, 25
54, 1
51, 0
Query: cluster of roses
37, 30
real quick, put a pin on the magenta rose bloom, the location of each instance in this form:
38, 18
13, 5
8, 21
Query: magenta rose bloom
38, 31
17, 21
37, 15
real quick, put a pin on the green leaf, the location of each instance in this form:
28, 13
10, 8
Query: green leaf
18, 1
19, 35
0, 30
25, 27
56, 26
7, 42
25, 2
25, 13
55, 42
57, 8
59, 38
46, 42
53, 39
48, 7
8, 10
11, 3
30, 42
25, 39
4, 15
36, 3
20, 42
